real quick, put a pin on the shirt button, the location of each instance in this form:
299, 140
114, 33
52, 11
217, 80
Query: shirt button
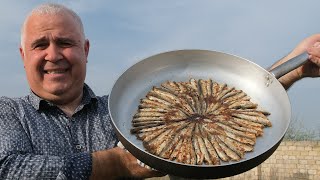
79, 147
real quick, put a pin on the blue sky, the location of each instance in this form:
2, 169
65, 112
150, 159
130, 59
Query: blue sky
124, 32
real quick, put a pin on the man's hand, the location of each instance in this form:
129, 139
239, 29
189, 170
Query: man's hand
115, 163
310, 68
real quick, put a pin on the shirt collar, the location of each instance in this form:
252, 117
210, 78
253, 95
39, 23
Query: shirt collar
37, 102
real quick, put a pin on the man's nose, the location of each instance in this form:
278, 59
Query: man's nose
53, 53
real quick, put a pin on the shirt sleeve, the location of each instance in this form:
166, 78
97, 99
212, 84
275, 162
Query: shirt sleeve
78, 166
30, 166
18, 161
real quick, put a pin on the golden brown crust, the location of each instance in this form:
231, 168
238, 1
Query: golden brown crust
198, 122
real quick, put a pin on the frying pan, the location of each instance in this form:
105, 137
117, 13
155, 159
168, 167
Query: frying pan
181, 65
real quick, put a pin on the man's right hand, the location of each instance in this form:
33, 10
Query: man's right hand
115, 163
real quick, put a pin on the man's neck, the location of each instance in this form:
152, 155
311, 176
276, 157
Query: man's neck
70, 108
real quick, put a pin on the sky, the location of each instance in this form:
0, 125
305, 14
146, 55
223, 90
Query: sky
123, 32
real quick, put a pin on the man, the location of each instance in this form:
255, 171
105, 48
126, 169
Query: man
61, 130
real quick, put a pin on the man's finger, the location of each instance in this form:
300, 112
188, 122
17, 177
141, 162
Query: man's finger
147, 173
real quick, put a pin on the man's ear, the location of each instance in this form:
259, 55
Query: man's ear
86, 48
22, 54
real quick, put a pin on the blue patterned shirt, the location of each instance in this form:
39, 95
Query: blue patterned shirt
38, 141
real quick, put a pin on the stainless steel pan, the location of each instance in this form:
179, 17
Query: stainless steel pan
261, 85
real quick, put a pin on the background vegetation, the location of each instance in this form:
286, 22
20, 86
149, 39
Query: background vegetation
297, 132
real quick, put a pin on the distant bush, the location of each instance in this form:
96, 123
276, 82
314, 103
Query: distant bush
297, 132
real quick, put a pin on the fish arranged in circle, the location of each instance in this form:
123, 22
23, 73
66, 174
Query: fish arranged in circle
198, 122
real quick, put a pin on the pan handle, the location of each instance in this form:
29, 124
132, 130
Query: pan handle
290, 65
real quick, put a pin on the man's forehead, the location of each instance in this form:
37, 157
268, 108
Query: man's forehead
53, 34
47, 19
54, 38
52, 26
42, 27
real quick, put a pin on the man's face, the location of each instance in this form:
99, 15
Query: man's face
54, 54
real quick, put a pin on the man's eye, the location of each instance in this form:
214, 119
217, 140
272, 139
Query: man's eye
65, 44
40, 46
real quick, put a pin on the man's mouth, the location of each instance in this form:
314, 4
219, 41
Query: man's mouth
55, 71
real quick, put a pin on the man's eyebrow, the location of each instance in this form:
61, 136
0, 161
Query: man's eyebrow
37, 41
65, 39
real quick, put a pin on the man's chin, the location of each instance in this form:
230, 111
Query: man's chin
57, 92
57, 97
54, 94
